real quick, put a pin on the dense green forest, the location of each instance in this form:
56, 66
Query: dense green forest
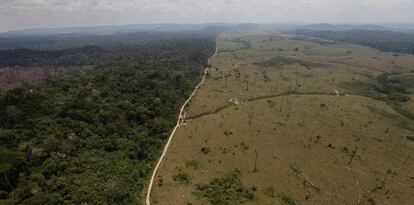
70, 39
93, 138
115, 52
389, 41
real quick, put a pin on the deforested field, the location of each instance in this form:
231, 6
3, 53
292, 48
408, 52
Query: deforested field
287, 121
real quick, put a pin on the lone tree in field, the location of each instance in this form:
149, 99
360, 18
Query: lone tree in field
255, 161
246, 80
296, 51
352, 156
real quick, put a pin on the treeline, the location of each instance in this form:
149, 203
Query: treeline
54, 41
94, 138
141, 55
389, 41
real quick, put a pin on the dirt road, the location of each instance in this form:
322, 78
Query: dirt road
180, 121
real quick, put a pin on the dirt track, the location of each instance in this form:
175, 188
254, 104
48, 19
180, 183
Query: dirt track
180, 121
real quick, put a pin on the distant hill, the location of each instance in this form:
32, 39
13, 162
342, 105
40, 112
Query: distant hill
390, 41
70, 37
105, 30
245, 27
343, 27
403, 27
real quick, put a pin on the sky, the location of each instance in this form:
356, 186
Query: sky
19, 14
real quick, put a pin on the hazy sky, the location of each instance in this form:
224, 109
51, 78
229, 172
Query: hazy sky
16, 14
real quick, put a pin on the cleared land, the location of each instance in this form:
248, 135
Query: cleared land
15, 77
268, 127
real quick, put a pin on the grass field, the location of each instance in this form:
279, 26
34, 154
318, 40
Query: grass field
301, 122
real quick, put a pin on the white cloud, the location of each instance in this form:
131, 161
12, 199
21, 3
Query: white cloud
34, 13
387, 3
117, 5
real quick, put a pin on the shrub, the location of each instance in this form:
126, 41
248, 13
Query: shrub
193, 163
205, 150
182, 178
228, 190
285, 199
270, 192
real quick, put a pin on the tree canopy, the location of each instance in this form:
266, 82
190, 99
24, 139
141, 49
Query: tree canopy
94, 137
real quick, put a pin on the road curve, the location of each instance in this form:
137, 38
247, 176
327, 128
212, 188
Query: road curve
180, 121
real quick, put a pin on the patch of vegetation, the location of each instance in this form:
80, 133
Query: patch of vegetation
205, 150
215, 111
244, 147
403, 112
228, 190
280, 61
160, 181
284, 198
193, 164
386, 88
270, 192
228, 133
392, 87
182, 178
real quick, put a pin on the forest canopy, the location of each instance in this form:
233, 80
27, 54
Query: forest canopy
94, 137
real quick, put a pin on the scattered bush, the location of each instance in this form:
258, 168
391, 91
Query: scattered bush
270, 192
228, 190
182, 178
160, 181
193, 163
285, 199
244, 147
205, 150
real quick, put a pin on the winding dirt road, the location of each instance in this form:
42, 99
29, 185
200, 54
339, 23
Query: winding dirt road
180, 121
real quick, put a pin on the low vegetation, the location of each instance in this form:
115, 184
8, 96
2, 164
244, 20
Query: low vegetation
280, 61
227, 190
182, 178
283, 198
